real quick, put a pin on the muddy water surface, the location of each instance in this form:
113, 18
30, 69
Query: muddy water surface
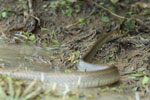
26, 57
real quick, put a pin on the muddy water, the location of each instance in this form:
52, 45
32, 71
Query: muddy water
25, 57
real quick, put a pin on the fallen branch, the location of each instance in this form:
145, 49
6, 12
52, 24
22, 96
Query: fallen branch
118, 16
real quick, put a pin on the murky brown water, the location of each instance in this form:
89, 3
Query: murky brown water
25, 57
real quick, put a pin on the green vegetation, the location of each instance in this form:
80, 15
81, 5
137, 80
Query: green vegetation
65, 6
4, 14
52, 34
29, 36
105, 19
